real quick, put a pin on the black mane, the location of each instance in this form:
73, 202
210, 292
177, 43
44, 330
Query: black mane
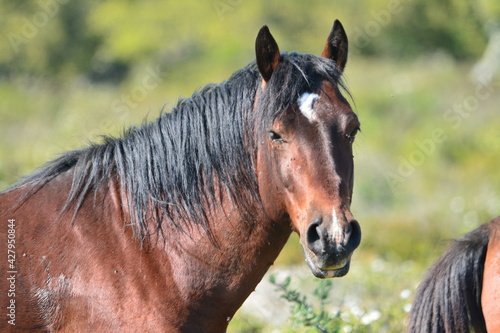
175, 167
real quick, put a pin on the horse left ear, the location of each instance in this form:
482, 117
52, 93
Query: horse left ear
267, 53
336, 45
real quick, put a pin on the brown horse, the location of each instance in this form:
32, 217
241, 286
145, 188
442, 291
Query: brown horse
170, 227
461, 291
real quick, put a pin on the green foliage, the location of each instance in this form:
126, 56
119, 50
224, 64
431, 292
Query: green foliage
104, 40
324, 310
304, 313
47, 38
426, 25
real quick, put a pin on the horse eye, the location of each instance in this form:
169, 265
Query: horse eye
275, 137
352, 136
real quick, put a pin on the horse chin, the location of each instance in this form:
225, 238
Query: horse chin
332, 273
329, 272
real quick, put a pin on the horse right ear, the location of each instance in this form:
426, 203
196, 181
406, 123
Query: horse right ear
267, 53
337, 46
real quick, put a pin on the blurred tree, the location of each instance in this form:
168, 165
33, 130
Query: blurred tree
104, 40
453, 26
46, 38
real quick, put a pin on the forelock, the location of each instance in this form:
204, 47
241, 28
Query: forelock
295, 75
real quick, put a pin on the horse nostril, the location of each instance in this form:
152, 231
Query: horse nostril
312, 233
355, 235
313, 237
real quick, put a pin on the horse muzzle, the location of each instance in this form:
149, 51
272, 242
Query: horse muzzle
328, 245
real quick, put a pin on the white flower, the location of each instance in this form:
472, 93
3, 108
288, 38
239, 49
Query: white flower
347, 329
405, 294
370, 317
357, 311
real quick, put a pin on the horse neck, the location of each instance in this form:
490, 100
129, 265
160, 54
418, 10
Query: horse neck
214, 275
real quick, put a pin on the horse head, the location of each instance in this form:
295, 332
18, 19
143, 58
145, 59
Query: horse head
304, 155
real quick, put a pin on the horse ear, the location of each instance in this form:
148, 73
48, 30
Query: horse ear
267, 53
336, 45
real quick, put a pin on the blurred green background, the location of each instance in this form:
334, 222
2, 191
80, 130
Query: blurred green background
423, 75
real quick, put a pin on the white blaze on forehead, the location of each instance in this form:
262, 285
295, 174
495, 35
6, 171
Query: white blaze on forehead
306, 103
